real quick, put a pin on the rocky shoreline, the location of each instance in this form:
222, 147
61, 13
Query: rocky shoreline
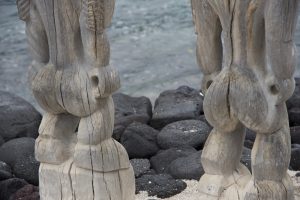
164, 142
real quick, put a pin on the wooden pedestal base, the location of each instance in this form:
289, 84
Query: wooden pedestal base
218, 187
68, 182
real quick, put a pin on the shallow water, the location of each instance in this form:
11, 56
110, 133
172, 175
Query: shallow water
152, 46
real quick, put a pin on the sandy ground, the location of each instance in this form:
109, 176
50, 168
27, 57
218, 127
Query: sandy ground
191, 193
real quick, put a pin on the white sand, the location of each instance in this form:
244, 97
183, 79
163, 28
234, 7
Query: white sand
191, 193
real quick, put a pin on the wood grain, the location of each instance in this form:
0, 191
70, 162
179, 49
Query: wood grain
246, 50
72, 80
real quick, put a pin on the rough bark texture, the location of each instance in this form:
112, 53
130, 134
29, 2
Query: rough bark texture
246, 51
72, 80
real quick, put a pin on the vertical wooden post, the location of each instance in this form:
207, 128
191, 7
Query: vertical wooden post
72, 81
246, 52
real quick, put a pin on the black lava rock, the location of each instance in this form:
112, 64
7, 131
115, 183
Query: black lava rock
18, 118
187, 167
248, 144
176, 105
246, 158
295, 134
295, 159
140, 166
295, 146
130, 109
293, 105
250, 135
202, 118
140, 140
161, 161
28, 192
19, 154
294, 101
10, 186
5, 171
294, 116
183, 133
161, 185
1, 140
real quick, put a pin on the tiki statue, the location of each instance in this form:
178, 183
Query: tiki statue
246, 52
72, 81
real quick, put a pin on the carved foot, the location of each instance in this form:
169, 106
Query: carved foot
107, 156
269, 190
227, 187
53, 151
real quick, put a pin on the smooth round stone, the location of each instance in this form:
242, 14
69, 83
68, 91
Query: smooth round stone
184, 133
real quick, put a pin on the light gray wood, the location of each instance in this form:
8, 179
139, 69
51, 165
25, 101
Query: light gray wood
72, 80
246, 52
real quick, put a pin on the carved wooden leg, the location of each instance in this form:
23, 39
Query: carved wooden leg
57, 136
100, 162
221, 162
54, 149
270, 161
96, 150
100, 168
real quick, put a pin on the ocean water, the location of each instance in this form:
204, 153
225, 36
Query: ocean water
152, 46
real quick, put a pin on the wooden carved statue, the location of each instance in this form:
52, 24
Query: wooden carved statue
247, 54
72, 81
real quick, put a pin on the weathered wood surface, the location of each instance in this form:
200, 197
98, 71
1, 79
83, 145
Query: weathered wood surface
72, 81
246, 52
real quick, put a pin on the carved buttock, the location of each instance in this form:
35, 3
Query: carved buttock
44, 90
63, 91
257, 110
217, 106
